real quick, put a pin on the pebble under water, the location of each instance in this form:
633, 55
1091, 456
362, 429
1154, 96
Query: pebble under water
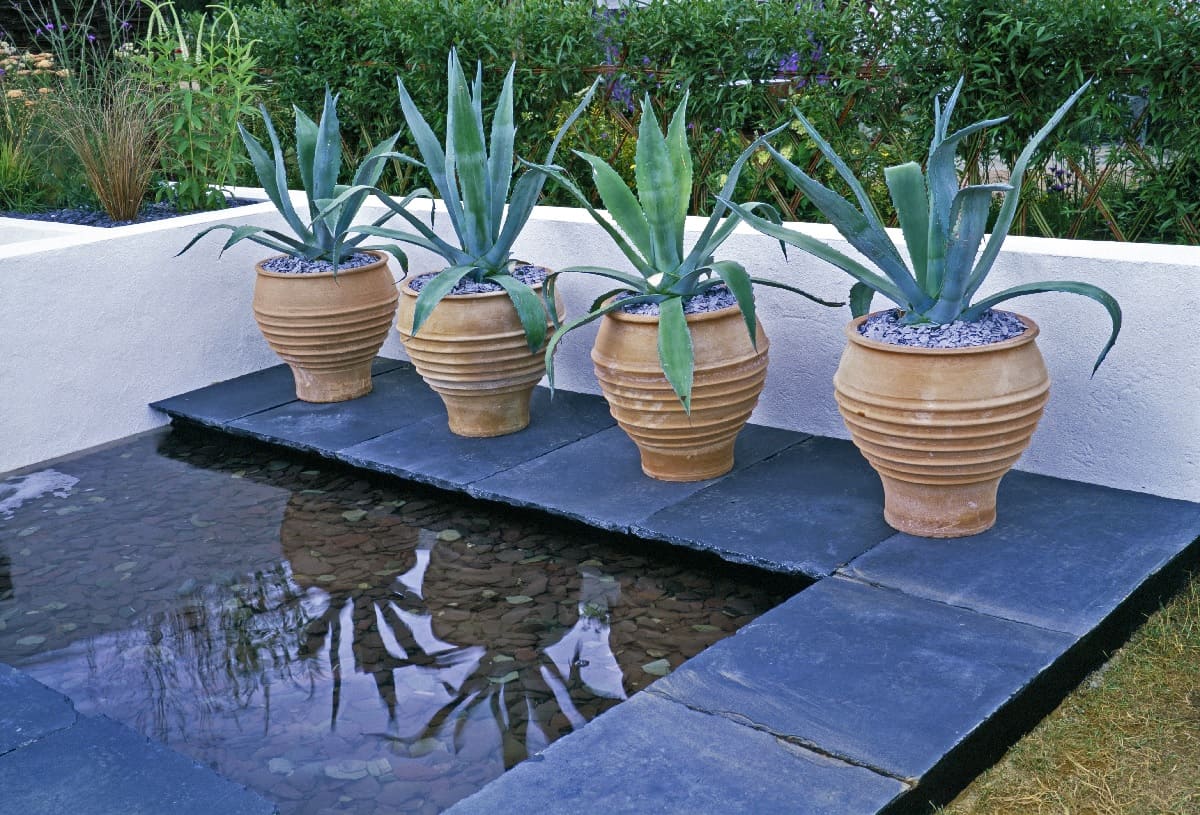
337, 644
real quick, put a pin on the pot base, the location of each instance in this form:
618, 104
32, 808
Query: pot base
691, 464
944, 511
486, 414
332, 386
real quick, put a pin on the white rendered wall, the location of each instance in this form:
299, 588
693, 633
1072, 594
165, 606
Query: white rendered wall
92, 332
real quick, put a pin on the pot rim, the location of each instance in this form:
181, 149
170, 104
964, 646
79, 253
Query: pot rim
852, 335
380, 259
480, 295
701, 316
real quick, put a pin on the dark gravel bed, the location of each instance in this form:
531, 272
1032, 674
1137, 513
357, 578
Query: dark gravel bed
81, 216
992, 326
714, 299
528, 274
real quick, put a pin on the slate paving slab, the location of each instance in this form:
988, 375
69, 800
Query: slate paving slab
102, 768
599, 480
652, 755
1063, 555
29, 710
215, 405
399, 398
808, 510
870, 675
429, 453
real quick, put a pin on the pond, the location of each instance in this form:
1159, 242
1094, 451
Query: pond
338, 643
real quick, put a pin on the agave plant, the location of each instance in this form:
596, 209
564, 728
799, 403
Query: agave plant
474, 181
943, 227
649, 231
332, 207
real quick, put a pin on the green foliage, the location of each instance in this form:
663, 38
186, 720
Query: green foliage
861, 72
205, 75
332, 207
649, 231
943, 225
474, 177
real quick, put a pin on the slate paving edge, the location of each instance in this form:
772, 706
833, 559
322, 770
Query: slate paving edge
75, 716
742, 720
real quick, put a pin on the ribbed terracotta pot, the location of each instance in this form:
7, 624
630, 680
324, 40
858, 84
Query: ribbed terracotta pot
327, 329
472, 351
941, 426
728, 378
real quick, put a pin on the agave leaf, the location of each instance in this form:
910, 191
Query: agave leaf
861, 296
858, 230
524, 197
530, 310
500, 160
675, 349
1008, 209
718, 228
429, 240
592, 316
272, 174
599, 301
634, 257
906, 183
327, 163
656, 185
306, 149
775, 284
570, 120
680, 156
738, 280
433, 292
434, 158
393, 250
1066, 286
943, 172
968, 219
621, 204
465, 154
526, 191
826, 253
631, 282
373, 165
856, 187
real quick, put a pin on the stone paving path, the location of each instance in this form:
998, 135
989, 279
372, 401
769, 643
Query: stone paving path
907, 668
54, 762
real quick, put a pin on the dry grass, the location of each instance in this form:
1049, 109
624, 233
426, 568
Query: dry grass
1126, 742
115, 129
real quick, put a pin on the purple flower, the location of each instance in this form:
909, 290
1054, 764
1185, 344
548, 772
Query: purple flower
646, 61
124, 24
718, 130
91, 37
790, 64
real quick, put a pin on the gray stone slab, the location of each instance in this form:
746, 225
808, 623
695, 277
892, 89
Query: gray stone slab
29, 710
650, 755
399, 398
599, 481
1062, 555
868, 674
214, 405
428, 452
809, 510
99, 767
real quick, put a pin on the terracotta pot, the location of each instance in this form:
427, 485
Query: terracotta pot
729, 376
941, 426
327, 329
472, 351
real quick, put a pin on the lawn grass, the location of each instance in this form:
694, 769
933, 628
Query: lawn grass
1126, 742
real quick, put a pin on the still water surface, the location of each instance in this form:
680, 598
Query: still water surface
335, 643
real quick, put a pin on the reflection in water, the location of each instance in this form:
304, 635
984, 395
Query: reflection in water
338, 646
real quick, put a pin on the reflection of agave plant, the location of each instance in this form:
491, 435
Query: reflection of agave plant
649, 231
943, 228
473, 181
